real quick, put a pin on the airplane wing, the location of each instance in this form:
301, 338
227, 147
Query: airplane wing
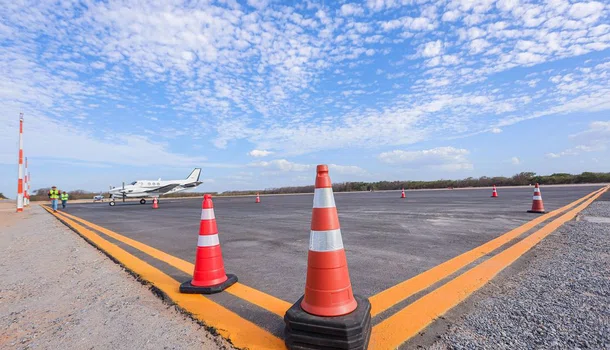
164, 189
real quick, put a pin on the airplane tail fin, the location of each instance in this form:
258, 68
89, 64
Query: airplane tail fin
194, 175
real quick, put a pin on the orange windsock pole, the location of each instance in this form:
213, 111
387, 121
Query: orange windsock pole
537, 204
29, 186
20, 178
328, 315
209, 275
25, 185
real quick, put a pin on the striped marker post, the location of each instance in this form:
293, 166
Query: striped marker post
537, 204
29, 186
25, 185
209, 275
20, 176
328, 315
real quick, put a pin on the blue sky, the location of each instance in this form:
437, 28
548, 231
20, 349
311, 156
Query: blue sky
258, 92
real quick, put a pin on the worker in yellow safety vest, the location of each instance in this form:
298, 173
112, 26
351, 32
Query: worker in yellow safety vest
54, 196
64, 199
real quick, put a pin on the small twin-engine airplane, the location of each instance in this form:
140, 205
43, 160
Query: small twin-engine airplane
154, 188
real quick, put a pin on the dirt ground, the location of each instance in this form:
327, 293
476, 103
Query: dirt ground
59, 292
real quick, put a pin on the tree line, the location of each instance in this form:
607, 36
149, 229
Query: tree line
521, 179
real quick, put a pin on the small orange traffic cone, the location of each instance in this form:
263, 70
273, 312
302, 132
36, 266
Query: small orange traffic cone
402, 194
494, 194
155, 203
537, 204
258, 198
328, 315
209, 275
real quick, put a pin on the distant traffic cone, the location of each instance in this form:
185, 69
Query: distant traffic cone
328, 315
494, 194
258, 198
402, 195
155, 203
209, 275
537, 204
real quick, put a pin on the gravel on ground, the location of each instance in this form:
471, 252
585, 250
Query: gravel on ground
59, 292
558, 299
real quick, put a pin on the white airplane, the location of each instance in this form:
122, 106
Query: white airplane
99, 197
154, 188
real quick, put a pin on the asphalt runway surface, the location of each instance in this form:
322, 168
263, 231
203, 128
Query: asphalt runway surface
387, 239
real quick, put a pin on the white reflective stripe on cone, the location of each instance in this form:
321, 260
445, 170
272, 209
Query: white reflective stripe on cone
536, 190
323, 198
207, 214
208, 241
325, 241
537, 198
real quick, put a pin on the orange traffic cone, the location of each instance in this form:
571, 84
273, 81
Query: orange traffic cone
402, 195
258, 198
494, 194
209, 275
155, 203
328, 315
537, 204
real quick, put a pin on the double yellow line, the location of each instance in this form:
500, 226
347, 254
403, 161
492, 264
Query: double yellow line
389, 333
241, 332
398, 328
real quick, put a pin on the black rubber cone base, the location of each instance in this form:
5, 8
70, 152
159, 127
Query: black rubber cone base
306, 331
536, 211
188, 288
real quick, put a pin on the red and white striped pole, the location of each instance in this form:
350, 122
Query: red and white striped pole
29, 186
20, 178
25, 184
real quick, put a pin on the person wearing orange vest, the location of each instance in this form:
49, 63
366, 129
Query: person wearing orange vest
54, 196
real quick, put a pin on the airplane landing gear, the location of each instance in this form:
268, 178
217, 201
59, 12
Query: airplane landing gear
111, 203
142, 201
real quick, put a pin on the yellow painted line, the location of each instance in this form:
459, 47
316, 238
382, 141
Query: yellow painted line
242, 291
398, 328
241, 332
393, 295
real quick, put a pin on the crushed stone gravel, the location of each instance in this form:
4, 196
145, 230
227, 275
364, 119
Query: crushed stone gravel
59, 292
559, 300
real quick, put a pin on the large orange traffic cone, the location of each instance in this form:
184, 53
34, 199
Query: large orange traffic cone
402, 194
537, 204
209, 275
328, 315
494, 194
155, 203
258, 198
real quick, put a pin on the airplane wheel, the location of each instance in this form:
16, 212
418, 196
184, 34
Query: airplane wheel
142, 201
112, 203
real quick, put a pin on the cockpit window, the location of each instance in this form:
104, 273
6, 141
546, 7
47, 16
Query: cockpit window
133, 183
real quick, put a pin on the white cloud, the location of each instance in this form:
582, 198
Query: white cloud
259, 153
443, 158
282, 165
451, 16
431, 49
595, 139
351, 10
586, 9
496, 130
515, 161
98, 65
288, 166
258, 4
87, 146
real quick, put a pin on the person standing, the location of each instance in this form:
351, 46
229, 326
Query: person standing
54, 196
64, 199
